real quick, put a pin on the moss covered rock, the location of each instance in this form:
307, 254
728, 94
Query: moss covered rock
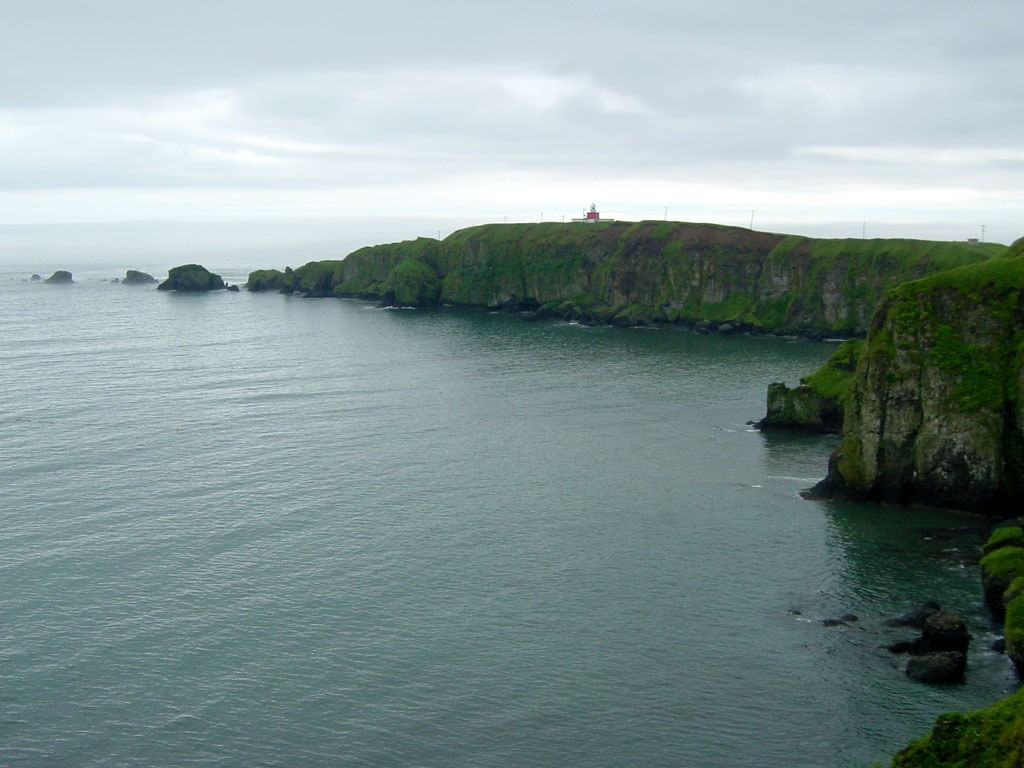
1013, 623
191, 278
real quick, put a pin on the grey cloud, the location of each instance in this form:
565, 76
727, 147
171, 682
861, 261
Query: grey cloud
325, 94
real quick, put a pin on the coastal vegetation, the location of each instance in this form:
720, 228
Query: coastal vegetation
637, 274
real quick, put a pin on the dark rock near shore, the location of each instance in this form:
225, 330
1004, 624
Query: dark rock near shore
191, 278
999, 645
134, 277
233, 288
939, 667
60, 277
36, 278
944, 631
900, 646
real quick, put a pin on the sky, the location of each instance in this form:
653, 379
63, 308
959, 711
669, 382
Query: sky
818, 117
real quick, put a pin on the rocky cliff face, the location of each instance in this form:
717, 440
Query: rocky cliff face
637, 273
936, 411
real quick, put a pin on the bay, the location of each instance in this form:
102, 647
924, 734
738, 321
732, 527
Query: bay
246, 529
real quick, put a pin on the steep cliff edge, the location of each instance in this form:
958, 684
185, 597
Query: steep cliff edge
936, 412
638, 273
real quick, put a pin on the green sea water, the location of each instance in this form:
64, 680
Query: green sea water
256, 530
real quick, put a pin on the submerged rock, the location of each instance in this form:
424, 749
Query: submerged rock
133, 277
60, 277
36, 278
191, 278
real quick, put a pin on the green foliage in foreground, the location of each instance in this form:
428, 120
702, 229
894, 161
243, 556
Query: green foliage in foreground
986, 738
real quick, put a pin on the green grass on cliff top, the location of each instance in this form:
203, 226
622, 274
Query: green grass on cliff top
1005, 272
905, 252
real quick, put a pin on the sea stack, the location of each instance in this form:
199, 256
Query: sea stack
191, 278
133, 277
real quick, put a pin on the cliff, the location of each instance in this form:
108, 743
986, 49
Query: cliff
637, 273
935, 414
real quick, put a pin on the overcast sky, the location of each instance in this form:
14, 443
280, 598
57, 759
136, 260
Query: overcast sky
817, 116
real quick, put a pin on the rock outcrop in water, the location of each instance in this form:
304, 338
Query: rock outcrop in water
817, 404
935, 414
191, 278
60, 277
637, 273
133, 277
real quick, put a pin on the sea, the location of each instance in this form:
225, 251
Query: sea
261, 530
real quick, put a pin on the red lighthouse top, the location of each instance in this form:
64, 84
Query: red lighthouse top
592, 214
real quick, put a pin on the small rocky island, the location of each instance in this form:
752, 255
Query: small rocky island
60, 277
192, 278
134, 277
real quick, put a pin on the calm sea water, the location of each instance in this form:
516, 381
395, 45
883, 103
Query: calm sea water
251, 530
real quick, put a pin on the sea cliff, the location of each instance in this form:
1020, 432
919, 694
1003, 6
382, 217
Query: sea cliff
935, 414
637, 273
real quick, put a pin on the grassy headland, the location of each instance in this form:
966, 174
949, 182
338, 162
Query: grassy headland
638, 273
